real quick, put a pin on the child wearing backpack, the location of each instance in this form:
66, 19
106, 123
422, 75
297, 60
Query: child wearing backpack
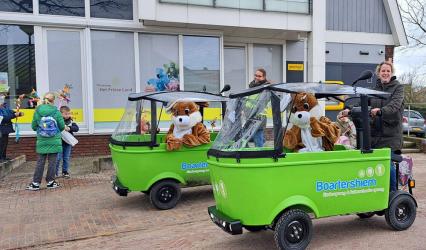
64, 157
48, 123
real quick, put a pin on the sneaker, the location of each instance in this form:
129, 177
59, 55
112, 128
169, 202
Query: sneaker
33, 186
66, 175
52, 184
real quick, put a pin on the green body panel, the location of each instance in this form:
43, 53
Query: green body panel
256, 191
139, 167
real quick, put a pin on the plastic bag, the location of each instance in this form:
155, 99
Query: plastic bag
405, 170
69, 138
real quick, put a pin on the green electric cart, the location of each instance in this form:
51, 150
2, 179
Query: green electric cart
139, 153
273, 188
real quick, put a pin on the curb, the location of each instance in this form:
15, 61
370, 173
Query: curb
103, 163
7, 167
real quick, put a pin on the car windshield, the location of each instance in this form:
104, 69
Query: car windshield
243, 118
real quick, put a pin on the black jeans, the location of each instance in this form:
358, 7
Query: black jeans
4, 139
41, 160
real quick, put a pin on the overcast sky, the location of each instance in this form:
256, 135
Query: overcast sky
409, 59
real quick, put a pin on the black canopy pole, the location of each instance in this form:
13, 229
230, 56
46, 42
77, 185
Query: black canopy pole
153, 123
138, 117
276, 119
365, 116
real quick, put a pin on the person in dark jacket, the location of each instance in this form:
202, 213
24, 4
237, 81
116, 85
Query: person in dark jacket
386, 115
6, 116
259, 80
64, 157
387, 131
47, 147
386, 124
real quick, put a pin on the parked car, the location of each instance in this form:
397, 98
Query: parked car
414, 122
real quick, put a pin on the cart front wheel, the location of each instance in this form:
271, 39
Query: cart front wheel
401, 212
365, 215
293, 230
165, 194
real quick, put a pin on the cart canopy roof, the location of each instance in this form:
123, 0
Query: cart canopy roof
319, 89
169, 97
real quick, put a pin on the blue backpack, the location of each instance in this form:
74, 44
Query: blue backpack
47, 127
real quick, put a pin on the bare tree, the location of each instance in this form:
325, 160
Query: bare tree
414, 17
414, 90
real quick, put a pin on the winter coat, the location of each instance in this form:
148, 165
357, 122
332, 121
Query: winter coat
72, 125
386, 130
48, 145
6, 124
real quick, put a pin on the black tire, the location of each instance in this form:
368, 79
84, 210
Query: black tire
401, 212
145, 192
165, 194
254, 229
365, 215
293, 230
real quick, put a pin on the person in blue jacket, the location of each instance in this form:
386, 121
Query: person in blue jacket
6, 116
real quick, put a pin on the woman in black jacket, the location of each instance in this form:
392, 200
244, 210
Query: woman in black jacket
386, 114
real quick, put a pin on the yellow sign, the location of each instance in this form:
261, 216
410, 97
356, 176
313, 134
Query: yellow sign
334, 105
76, 114
295, 67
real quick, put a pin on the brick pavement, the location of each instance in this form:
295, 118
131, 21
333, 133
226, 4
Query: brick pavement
85, 213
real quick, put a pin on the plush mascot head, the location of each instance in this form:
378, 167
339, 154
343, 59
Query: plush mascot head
305, 106
185, 115
187, 128
309, 132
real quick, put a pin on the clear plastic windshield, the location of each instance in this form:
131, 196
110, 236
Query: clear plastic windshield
244, 124
134, 125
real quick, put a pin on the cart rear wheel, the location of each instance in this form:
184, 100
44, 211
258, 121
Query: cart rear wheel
254, 228
365, 215
293, 230
401, 212
165, 194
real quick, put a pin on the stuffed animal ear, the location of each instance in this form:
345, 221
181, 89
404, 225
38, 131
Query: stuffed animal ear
203, 104
311, 100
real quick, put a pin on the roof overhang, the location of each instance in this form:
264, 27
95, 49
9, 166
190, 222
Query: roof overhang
395, 22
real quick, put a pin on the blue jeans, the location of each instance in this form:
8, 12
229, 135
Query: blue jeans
259, 138
65, 157
392, 177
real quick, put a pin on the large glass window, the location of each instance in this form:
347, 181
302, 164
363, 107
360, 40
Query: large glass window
115, 9
296, 6
159, 62
17, 67
113, 67
25, 6
269, 57
201, 63
64, 66
62, 7
235, 68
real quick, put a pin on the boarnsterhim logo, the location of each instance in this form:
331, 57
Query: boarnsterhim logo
196, 167
366, 181
344, 185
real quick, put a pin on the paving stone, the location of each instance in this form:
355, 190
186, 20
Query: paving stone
85, 213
